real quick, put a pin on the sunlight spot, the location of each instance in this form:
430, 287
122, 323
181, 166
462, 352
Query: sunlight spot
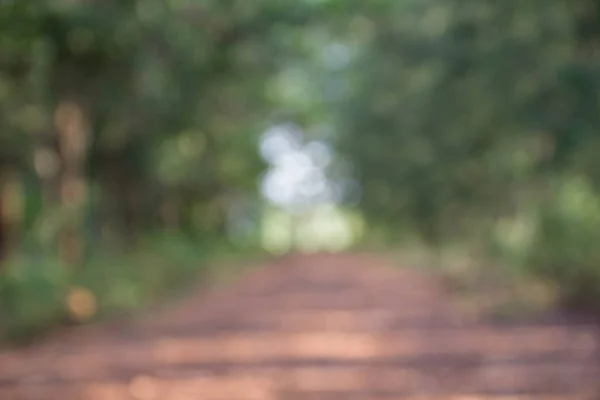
143, 388
46, 163
81, 303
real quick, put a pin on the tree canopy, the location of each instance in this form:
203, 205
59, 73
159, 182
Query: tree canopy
122, 119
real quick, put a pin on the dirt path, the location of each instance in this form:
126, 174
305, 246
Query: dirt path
313, 327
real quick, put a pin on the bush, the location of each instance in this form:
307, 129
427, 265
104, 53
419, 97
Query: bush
566, 246
31, 298
39, 294
511, 239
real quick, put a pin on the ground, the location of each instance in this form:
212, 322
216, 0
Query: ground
314, 327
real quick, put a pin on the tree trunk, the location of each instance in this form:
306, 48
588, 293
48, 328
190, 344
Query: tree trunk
170, 212
72, 125
11, 207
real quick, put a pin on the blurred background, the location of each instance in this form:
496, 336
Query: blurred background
141, 140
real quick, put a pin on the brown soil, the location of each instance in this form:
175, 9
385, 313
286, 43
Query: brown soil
312, 327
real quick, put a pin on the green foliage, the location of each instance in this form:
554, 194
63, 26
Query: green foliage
565, 248
173, 96
31, 298
437, 110
511, 239
34, 297
463, 119
458, 120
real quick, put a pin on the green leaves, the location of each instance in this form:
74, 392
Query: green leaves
440, 106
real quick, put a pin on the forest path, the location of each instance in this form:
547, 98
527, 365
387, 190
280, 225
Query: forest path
312, 327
